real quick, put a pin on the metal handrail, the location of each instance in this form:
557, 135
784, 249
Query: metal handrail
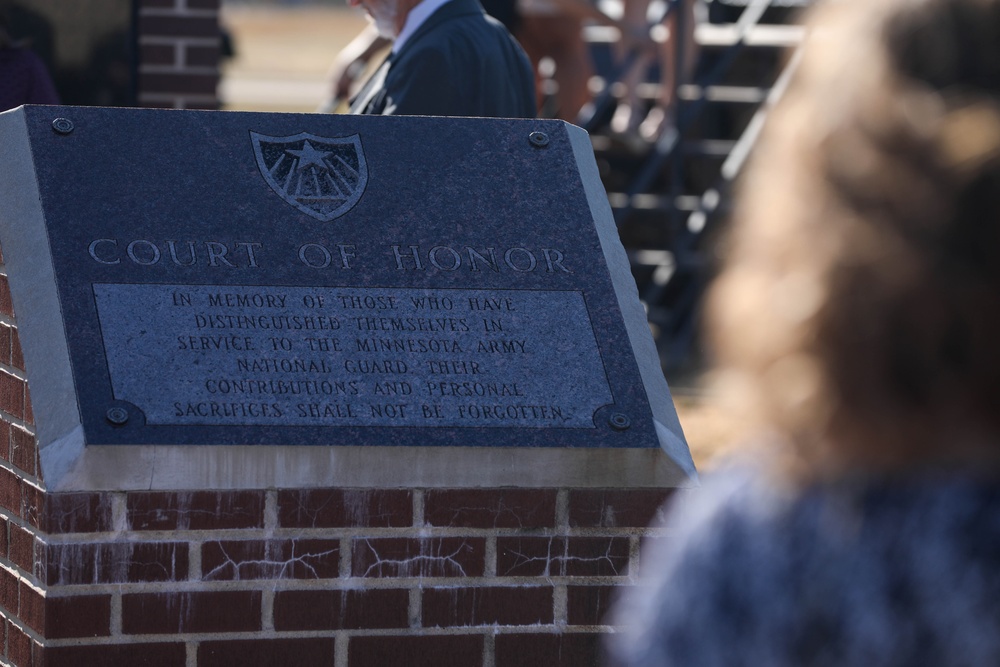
666, 145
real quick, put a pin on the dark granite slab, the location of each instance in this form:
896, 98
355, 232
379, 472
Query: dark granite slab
241, 278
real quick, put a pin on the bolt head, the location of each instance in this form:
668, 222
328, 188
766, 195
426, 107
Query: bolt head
619, 422
538, 139
62, 125
117, 416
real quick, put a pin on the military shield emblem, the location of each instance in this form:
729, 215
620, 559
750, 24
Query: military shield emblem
321, 177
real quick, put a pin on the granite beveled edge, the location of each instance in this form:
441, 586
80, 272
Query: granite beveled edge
188, 467
668, 426
39, 319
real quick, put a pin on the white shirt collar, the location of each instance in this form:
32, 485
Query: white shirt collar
414, 20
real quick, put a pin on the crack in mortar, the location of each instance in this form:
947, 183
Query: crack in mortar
272, 565
404, 565
549, 559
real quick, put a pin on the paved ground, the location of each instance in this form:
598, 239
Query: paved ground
282, 56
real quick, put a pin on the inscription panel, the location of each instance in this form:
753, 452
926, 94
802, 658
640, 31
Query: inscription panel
184, 325
313, 356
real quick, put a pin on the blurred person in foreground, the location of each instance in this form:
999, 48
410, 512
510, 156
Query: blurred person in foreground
448, 58
859, 318
24, 78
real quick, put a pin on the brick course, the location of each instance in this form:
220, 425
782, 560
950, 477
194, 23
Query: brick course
9, 593
160, 25
6, 334
182, 83
78, 616
264, 653
589, 605
200, 510
23, 453
610, 508
165, 654
114, 563
179, 51
418, 557
11, 493
21, 550
270, 559
16, 354
158, 54
562, 556
551, 650
200, 612
373, 609
423, 651
487, 605
202, 56
6, 304
31, 608
493, 508
78, 513
343, 508
19, 647
11, 395
5, 436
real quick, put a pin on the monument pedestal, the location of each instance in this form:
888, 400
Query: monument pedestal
317, 389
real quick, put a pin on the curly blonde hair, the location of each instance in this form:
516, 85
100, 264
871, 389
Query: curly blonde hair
860, 308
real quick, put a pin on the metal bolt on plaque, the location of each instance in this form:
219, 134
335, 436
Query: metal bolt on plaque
117, 416
62, 125
538, 139
619, 422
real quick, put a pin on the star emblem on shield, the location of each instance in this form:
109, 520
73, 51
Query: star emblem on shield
320, 176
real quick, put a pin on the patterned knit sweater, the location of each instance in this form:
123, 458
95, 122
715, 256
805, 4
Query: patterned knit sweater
862, 573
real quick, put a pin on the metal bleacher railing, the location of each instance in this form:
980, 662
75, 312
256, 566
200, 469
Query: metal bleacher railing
671, 194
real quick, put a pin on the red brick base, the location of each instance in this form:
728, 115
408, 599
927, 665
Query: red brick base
320, 576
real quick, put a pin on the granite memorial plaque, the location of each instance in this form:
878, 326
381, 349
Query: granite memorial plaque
218, 279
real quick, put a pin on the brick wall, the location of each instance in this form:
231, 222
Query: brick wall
340, 577
320, 576
179, 48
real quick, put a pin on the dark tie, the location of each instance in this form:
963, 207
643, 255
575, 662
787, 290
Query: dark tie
363, 102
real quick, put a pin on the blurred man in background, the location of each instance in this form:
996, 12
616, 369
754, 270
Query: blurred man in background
448, 58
